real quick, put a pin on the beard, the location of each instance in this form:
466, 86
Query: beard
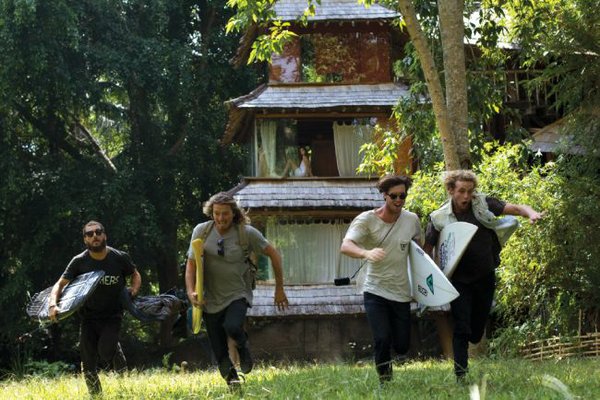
97, 247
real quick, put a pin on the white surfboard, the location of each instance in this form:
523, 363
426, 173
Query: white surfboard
452, 243
429, 285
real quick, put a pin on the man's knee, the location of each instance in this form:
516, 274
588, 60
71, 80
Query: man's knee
235, 331
107, 351
476, 335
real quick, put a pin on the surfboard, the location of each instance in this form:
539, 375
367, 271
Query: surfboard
452, 243
198, 248
429, 285
74, 295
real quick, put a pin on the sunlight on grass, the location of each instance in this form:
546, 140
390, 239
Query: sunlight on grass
430, 379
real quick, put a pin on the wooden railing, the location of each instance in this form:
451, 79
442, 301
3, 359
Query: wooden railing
581, 346
519, 94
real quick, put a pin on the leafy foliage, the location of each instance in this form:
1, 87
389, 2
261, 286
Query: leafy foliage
109, 111
562, 36
549, 272
380, 155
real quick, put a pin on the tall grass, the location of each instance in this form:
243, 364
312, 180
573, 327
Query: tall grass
504, 379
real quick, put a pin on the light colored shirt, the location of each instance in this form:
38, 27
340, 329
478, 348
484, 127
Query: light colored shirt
387, 278
224, 279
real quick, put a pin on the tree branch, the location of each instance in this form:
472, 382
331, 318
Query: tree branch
79, 129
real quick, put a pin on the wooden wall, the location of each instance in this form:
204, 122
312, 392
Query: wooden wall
329, 338
358, 54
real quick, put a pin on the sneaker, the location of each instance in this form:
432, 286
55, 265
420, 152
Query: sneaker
92, 381
233, 381
246, 362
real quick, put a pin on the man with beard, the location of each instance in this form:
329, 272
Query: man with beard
102, 313
382, 237
228, 240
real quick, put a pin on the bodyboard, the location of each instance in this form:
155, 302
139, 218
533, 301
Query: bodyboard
74, 295
452, 243
198, 247
429, 285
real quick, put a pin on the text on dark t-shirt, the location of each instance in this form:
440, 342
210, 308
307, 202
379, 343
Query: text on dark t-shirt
105, 301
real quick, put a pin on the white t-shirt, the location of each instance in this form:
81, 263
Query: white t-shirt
387, 278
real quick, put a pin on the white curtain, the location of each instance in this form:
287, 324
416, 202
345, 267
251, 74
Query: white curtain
348, 139
311, 252
266, 152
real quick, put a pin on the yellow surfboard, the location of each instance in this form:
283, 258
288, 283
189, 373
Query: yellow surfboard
198, 247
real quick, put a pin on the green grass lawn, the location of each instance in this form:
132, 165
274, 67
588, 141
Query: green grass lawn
505, 379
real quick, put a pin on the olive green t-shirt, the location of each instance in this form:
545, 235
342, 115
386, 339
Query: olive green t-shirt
224, 279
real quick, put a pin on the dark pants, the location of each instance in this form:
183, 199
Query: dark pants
226, 323
470, 312
98, 340
390, 324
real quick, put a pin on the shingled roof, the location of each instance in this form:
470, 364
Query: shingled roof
323, 96
334, 97
332, 10
308, 300
342, 11
308, 193
311, 300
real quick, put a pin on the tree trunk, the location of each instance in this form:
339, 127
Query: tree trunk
434, 84
160, 189
452, 32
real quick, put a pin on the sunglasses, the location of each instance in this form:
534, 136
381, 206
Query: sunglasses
221, 247
395, 196
97, 232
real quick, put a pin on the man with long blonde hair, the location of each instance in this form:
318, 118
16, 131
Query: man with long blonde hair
227, 291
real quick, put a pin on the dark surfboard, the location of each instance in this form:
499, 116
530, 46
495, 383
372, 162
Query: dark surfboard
74, 295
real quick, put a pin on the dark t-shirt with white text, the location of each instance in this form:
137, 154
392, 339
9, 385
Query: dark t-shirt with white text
105, 302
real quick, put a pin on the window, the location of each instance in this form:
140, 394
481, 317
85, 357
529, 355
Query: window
304, 148
323, 262
351, 57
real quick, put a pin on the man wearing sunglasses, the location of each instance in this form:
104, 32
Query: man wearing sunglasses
102, 313
474, 276
228, 241
382, 237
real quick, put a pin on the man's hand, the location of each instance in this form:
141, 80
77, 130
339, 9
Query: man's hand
281, 300
535, 216
524, 211
375, 254
132, 292
53, 311
193, 297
